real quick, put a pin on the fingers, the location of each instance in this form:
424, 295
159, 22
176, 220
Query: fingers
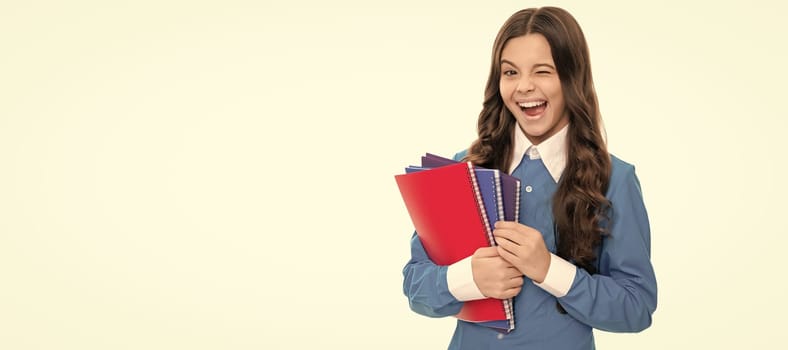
507, 234
515, 232
511, 293
511, 225
518, 240
532, 258
506, 294
507, 254
495, 277
507, 288
486, 252
512, 252
502, 236
509, 278
505, 230
506, 224
507, 244
516, 280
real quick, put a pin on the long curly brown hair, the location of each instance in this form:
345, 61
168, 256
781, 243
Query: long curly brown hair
579, 204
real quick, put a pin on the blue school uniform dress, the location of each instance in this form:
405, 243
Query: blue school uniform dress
621, 297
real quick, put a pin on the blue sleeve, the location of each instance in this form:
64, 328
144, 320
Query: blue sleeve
623, 295
425, 284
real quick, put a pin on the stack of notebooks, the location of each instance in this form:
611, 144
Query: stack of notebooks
454, 207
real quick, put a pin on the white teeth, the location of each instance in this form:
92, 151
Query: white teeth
531, 104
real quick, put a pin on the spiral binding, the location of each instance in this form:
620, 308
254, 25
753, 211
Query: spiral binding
508, 307
508, 304
498, 194
516, 219
480, 203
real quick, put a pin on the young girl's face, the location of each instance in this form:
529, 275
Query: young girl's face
530, 87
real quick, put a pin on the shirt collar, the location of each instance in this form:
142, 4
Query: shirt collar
552, 151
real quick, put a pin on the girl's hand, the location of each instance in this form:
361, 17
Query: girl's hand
524, 248
495, 277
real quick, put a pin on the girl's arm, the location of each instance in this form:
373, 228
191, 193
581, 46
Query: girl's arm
623, 295
425, 284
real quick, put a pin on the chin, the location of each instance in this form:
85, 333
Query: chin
532, 128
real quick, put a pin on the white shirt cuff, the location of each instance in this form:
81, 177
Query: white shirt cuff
559, 278
459, 277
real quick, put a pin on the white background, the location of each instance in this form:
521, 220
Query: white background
219, 175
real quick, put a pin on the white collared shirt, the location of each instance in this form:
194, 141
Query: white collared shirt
561, 273
552, 151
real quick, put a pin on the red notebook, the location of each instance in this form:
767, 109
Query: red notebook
445, 207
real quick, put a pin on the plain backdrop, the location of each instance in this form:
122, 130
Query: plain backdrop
219, 174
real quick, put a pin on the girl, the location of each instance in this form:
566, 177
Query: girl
579, 258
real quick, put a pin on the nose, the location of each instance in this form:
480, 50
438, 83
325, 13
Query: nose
525, 85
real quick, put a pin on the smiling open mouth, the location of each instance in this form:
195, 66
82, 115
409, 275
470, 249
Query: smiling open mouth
533, 108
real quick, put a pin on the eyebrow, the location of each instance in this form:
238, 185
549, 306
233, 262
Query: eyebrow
535, 66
